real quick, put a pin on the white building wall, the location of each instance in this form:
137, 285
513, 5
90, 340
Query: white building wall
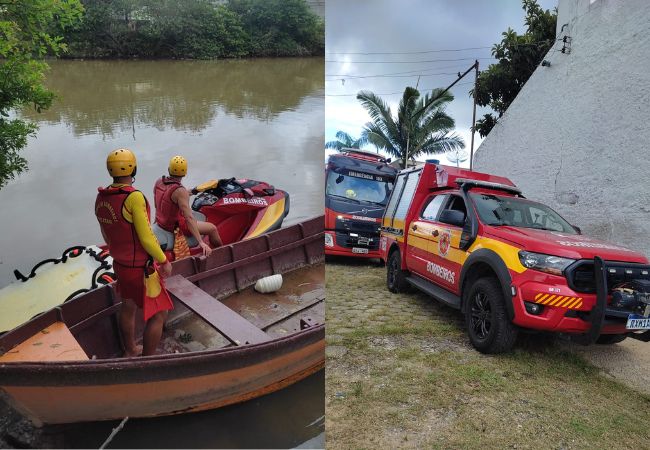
577, 137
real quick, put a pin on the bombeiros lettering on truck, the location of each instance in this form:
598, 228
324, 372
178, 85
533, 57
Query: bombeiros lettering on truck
473, 241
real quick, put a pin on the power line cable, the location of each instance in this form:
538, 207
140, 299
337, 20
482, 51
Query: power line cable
416, 71
433, 51
408, 53
394, 93
405, 62
394, 76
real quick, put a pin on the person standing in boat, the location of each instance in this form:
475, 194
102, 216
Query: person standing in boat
123, 215
173, 210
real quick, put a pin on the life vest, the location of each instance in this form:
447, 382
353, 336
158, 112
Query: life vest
168, 214
121, 237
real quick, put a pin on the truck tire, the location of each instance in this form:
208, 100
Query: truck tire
395, 276
486, 318
609, 339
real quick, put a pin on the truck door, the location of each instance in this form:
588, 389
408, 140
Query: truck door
446, 256
421, 235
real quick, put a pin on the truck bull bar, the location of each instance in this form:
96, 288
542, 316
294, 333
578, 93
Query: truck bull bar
600, 311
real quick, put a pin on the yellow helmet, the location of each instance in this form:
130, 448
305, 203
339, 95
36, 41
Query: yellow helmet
178, 166
350, 193
121, 163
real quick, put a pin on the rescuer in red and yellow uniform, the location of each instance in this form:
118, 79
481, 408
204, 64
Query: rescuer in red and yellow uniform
173, 210
123, 215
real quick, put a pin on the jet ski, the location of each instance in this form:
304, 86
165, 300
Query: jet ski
240, 209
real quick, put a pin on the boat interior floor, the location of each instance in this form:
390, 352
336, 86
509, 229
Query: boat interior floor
257, 317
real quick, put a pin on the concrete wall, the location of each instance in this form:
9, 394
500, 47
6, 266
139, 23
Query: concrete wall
317, 7
577, 137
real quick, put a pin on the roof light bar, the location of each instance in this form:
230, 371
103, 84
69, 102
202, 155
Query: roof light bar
487, 184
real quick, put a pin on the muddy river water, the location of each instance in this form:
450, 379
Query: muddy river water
261, 119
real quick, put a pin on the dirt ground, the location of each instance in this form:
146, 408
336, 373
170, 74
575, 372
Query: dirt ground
400, 372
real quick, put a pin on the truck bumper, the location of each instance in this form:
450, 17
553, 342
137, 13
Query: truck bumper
332, 248
564, 310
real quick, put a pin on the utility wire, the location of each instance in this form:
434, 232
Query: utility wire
394, 76
407, 53
406, 62
394, 93
433, 51
416, 72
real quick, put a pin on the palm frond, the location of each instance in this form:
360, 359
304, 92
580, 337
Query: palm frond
380, 113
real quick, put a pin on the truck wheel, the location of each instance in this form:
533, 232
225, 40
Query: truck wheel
486, 318
395, 276
609, 339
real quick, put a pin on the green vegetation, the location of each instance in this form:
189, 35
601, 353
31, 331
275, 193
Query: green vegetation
400, 373
198, 29
421, 126
519, 56
29, 29
344, 140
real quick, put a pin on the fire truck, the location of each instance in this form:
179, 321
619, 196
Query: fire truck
357, 187
474, 242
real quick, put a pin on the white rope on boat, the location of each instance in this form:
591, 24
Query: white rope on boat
113, 433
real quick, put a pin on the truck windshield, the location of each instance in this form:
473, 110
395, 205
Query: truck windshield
358, 189
517, 212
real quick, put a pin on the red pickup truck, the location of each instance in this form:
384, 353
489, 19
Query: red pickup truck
472, 241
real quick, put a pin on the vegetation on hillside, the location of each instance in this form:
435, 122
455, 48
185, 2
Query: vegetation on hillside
198, 29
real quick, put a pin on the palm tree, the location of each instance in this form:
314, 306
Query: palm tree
344, 140
421, 126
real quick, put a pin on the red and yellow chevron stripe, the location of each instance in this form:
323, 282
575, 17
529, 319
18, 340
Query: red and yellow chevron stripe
559, 301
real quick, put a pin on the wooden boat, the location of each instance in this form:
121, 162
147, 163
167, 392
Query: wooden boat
224, 342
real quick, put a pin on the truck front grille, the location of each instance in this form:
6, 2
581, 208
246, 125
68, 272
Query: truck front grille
581, 277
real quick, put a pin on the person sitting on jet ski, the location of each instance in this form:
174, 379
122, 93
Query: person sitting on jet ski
173, 210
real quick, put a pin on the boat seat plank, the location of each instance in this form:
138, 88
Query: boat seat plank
237, 329
53, 343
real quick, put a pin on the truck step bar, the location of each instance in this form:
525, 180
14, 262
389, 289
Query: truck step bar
434, 291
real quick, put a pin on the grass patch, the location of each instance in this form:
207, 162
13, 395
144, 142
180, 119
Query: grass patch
412, 381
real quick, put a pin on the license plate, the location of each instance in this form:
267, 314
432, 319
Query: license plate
635, 322
359, 250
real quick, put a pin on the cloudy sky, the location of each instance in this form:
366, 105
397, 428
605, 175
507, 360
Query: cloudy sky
403, 39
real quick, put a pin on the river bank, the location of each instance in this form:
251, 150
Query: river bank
401, 373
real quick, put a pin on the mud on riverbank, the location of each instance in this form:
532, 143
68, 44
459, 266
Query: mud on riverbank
400, 372
18, 432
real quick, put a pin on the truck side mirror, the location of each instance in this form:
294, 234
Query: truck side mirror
452, 217
577, 228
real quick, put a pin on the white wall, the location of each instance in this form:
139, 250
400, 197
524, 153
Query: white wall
577, 137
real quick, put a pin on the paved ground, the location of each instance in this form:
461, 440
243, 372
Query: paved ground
401, 373
627, 362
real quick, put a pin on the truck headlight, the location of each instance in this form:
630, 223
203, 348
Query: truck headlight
329, 240
544, 263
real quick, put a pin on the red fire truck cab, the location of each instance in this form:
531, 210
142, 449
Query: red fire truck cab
357, 187
472, 241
